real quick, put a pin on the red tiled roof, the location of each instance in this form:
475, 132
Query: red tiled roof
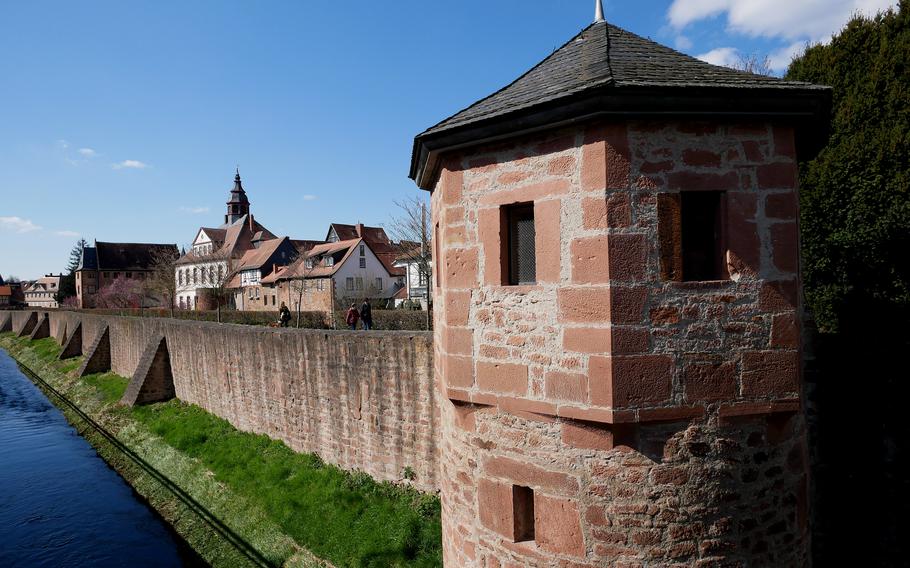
6, 291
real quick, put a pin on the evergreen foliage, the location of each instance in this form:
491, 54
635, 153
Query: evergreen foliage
855, 195
67, 287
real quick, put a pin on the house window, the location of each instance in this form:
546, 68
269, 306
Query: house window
691, 236
519, 244
523, 513
257, 293
308, 263
379, 283
361, 250
251, 293
204, 276
359, 282
349, 283
421, 277
363, 263
194, 275
330, 261
273, 299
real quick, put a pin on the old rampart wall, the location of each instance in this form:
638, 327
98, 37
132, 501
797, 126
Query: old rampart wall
360, 400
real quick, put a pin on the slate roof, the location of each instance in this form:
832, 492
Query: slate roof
130, 256
607, 70
605, 55
89, 260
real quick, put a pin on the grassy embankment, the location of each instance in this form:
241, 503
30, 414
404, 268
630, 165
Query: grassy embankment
280, 503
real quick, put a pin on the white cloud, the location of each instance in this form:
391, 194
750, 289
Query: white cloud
66, 233
63, 144
683, 43
18, 225
310, 197
185, 209
132, 164
780, 59
805, 20
725, 56
88, 152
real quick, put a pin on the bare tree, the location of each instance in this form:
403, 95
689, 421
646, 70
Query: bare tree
412, 228
754, 63
218, 276
299, 282
161, 282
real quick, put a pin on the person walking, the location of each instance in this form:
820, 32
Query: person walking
366, 314
352, 316
284, 315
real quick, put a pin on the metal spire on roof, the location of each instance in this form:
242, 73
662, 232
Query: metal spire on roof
598, 11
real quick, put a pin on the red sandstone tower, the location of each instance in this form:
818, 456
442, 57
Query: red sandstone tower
617, 321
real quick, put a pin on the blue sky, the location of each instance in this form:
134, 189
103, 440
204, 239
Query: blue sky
123, 121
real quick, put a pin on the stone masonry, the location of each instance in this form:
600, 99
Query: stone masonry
621, 399
153, 380
634, 397
361, 401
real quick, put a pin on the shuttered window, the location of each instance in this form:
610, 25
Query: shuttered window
522, 263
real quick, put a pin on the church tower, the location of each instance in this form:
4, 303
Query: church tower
238, 205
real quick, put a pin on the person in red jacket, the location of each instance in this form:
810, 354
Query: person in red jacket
352, 316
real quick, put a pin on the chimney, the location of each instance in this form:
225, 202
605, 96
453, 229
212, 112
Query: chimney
359, 227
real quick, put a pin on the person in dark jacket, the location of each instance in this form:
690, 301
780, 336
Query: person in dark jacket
284, 315
352, 316
366, 314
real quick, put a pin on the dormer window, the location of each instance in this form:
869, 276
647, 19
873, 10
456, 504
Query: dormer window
308, 263
330, 261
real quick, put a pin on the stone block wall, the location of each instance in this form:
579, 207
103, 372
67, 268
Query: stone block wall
624, 403
602, 334
360, 400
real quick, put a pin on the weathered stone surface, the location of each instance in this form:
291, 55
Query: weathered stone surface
665, 380
28, 325
361, 401
42, 329
98, 359
6, 323
73, 345
152, 381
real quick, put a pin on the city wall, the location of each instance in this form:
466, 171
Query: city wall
359, 401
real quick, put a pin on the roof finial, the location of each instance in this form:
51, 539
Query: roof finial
598, 11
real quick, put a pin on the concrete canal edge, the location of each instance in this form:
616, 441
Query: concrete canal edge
191, 512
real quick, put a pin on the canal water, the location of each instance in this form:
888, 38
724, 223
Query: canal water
60, 504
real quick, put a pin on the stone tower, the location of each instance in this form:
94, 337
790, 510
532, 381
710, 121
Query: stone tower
238, 205
617, 311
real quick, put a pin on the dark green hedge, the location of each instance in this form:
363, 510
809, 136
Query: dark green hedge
855, 195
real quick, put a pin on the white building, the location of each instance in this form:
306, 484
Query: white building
216, 252
42, 292
415, 286
358, 260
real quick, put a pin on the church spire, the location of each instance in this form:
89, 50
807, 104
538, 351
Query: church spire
238, 205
